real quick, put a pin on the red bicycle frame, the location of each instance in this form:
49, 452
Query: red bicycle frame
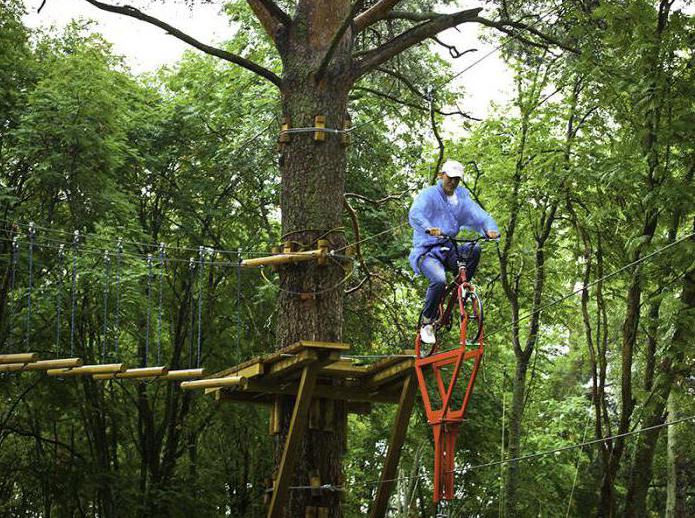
445, 419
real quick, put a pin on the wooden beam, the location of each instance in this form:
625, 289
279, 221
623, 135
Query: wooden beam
400, 427
139, 373
230, 381
42, 365
337, 392
295, 435
389, 374
18, 358
104, 369
12, 367
291, 364
183, 374
285, 258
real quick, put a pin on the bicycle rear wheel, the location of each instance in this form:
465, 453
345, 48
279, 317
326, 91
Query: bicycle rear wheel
473, 305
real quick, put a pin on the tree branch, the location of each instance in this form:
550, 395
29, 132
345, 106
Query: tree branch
336, 39
213, 51
270, 15
413, 105
374, 14
412, 37
506, 24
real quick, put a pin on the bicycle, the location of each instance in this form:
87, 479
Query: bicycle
458, 292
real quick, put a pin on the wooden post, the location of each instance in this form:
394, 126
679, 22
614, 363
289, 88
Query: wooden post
295, 435
400, 426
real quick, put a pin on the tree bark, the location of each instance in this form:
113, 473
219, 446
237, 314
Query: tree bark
310, 303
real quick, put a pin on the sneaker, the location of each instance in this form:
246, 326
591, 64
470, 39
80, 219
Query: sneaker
427, 334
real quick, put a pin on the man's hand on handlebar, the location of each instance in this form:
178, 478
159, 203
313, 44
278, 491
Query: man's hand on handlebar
491, 234
434, 231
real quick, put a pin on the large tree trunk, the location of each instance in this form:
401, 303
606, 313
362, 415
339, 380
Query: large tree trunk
313, 178
670, 368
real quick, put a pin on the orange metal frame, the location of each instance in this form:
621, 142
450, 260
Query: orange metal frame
445, 419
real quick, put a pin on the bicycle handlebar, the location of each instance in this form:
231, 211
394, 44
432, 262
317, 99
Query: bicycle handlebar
447, 237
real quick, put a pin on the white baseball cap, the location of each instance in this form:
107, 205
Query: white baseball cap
453, 169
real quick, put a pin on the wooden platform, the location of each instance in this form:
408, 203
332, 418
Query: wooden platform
314, 371
278, 373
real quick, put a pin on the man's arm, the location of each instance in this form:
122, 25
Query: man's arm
418, 213
477, 219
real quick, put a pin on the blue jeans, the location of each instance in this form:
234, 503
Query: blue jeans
434, 264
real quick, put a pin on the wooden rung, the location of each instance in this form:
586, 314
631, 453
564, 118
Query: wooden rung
18, 358
183, 374
230, 381
142, 372
12, 367
103, 369
65, 363
295, 257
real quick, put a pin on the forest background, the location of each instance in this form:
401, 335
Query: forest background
588, 170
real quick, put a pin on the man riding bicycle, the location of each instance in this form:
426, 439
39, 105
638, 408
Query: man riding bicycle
444, 208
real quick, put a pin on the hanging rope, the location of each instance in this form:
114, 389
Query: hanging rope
73, 290
13, 278
161, 300
149, 310
238, 306
191, 270
32, 234
59, 298
106, 285
117, 316
201, 266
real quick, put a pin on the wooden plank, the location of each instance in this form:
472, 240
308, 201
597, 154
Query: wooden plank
390, 373
291, 364
343, 369
18, 358
183, 374
400, 427
337, 392
12, 367
53, 364
139, 373
295, 435
105, 369
230, 381
335, 346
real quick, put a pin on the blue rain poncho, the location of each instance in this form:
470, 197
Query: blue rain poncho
433, 208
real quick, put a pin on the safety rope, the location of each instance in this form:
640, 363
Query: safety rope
73, 290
